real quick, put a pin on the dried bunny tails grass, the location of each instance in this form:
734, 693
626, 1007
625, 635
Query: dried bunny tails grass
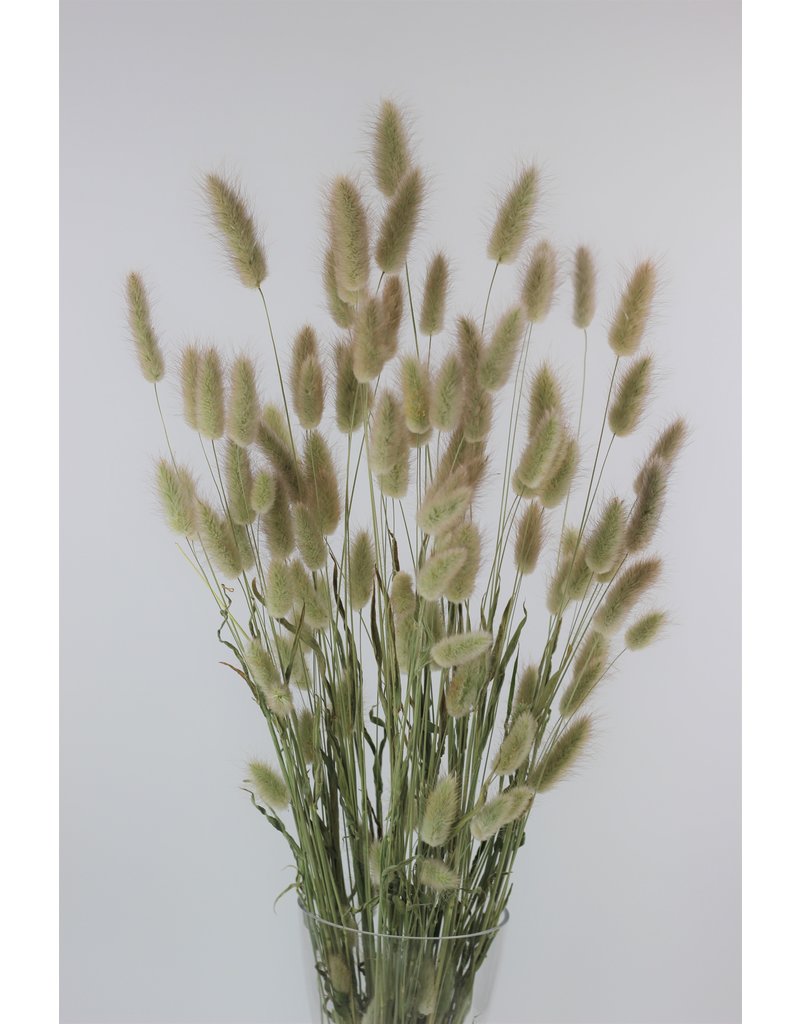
399, 223
649, 505
279, 593
645, 630
546, 398
528, 541
342, 313
501, 811
189, 374
349, 237
352, 397
670, 441
542, 453
210, 397
439, 570
390, 148
563, 755
402, 597
176, 489
239, 484
447, 395
624, 593
517, 745
460, 648
306, 381
388, 435
501, 353
556, 487
219, 541
392, 308
310, 541
234, 221
584, 285
262, 493
633, 311
362, 569
434, 296
604, 546
539, 282
444, 504
416, 387
368, 349
244, 407
394, 483
467, 537
278, 525
464, 687
145, 340
441, 811
436, 875
631, 397
514, 218
321, 482
589, 667
268, 785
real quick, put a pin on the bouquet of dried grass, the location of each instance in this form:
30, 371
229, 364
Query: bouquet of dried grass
412, 724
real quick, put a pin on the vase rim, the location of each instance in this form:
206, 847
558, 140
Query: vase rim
504, 918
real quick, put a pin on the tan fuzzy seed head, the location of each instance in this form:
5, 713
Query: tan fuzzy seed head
277, 524
307, 735
394, 484
539, 282
310, 541
631, 396
542, 453
501, 353
321, 482
244, 407
527, 685
402, 596
589, 666
353, 399
434, 296
529, 538
546, 398
649, 505
368, 341
400, 223
477, 413
625, 592
361, 569
563, 755
210, 396
189, 372
516, 746
514, 217
349, 238
219, 541
436, 875
501, 811
176, 489
269, 787
604, 545
584, 284
390, 148
467, 537
441, 811
447, 395
262, 493
145, 340
461, 648
645, 630
306, 380
634, 310
438, 571
233, 220
342, 312
388, 436
464, 687
392, 308
279, 589
444, 504
273, 439
261, 665
416, 389
670, 441
555, 488
239, 483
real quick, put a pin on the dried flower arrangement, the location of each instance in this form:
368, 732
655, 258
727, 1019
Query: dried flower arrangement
412, 726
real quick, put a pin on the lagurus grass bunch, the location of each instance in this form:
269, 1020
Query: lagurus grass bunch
367, 531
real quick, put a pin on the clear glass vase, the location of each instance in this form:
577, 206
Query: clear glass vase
361, 977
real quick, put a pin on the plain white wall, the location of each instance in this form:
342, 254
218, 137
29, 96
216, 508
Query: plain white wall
626, 902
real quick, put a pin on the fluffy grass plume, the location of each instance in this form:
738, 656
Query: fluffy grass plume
528, 542
307, 738
436, 875
399, 223
145, 340
461, 648
310, 541
219, 541
262, 493
402, 596
542, 453
210, 397
349, 238
469, 343
584, 286
514, 217
416, 388
368, 352
444, 504
189, 375
176, 489
649, 505
447, 395
277, 523
388, 434
605, 543
306, 379
464, 687
268, 786
321, 482
545, 398
352, 397
634, 309
526, 690
434, 296
555, 487
631, 396
516, 746
239, 484
362, 569
559, 588
310, 600
645, 630
438, 571
477, 415
501, 352
392, 308
244, 407
234, 222
670, 441
563, 755
265, 673
394, 483
466, 536
539, 282
441, 811
342, 313
626, 591
276, 445
390, 148
501, 811
279, 589
589, 667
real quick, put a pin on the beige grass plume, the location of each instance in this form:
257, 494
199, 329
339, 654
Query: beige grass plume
390, 148
649, 505
277, 523
145, 340
189, 373
438, 571
352, 398
279, 588
239, 483
514, 217
306, 379
546, 398
436, 875
645, 630
539, 282
210, 397
441, 811
361, 569
501, 353
310, 540
631, 396
392, 309
589, 666
268, 786
563, 755
501, 811
528, 542
447, 394
176, 489
465, 536
402, 597
349, 238
262, 493
388, 433
444, 504
321, 482
584, 285
342, 313
516, 746
244, 407
460, 648
625, 592
368, 342
604, 545
434, 296
634, 310
416, 388
234, 222
464, 687
219, 541
400, 222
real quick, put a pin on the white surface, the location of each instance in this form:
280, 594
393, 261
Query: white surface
626, 904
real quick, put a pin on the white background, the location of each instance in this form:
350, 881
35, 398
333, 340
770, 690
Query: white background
626, 905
